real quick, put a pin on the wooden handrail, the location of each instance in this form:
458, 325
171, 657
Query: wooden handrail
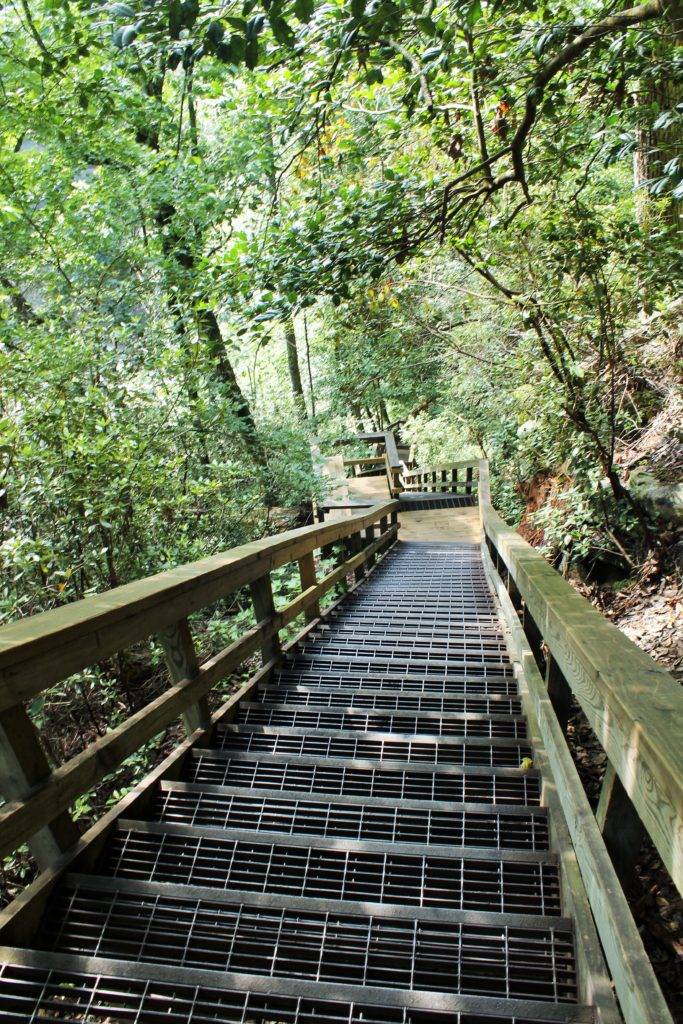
375, 460
635, 709
634, 706
46, 648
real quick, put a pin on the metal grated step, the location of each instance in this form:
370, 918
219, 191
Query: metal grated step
313, 675
388, 952
314, 776
334, 874
430, 724
50, 988
501, 753
422, 501
360, 846
428, 667
353, 699
217, 806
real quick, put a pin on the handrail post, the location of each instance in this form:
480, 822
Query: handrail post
308, 579
182, 663
383, 527
264, 608
23, 765
354, 546
622, 829
558, 691
369, 537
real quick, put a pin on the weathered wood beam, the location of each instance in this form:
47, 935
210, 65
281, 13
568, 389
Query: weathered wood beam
182, 663
634, 706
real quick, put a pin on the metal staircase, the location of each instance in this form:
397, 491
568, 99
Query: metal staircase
361, 844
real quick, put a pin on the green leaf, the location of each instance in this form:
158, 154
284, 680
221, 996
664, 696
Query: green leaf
215, 32
282, 31
251, 53
304, 9
175, 18
122, 10
374, 76
357, 9
474, 13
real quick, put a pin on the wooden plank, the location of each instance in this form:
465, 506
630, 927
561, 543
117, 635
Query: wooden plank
639, 994
43, 649
181, 660
634, 707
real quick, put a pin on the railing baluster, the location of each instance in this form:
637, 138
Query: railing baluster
181, 660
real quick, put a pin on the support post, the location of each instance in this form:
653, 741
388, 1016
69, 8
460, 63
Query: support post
535, 638
23, 765
181, 661
559, 692
308, 579
369, 537
353, 546
264, 608
621, 829
468, 480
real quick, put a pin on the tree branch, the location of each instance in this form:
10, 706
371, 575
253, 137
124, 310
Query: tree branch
571, 52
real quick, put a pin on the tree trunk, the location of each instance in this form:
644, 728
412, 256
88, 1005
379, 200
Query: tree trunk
655, 148
294, 369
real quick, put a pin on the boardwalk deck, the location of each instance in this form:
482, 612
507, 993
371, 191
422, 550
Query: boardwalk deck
360, 844
385, 827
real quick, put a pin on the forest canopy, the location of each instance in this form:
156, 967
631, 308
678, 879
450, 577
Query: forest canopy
230, 229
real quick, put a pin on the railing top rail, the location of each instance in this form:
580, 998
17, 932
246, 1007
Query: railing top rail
385, 437
634, 706
45, 648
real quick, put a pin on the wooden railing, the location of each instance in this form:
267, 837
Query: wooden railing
565, 649
373, 462
47, 648
458, 478
390, 458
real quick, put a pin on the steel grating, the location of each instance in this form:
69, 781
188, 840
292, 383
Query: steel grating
357, 747
335, 874
360, 844
422, 501
462, 726
201, 805
352, 699
38, 995
311, 777
311, 675
386, 952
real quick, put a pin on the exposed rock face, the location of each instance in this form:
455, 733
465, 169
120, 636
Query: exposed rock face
665, 499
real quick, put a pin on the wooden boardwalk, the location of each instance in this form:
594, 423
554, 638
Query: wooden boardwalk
383, 827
